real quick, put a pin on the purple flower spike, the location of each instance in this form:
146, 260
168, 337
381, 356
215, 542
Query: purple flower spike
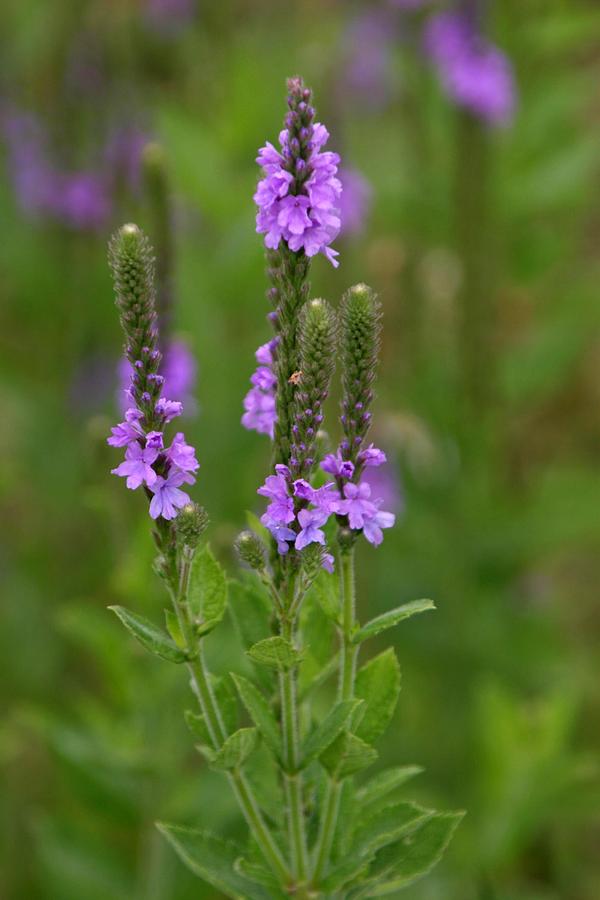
137, 467
310, 521
259, 402
168, 498
298, 198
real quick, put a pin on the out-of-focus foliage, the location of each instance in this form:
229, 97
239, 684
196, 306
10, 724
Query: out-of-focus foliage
483, 247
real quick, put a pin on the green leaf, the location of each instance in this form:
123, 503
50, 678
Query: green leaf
325, 591
386, 825
400, 864
236, 749
149, 635
207, 593
174, 629
275, 652
260, 712
382, 784
197, 725
391, 618
346, 755
213, 859
251, 608
258, 873
344, 871
227, 700
378, 684
328, 730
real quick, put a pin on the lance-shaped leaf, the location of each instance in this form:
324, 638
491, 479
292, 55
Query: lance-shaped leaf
329, 729
275, 652
151, 637
391, 618
346, 870
346, 755
207, 594
388, 824
378, 684
174, 629
236, 749
260, 712
258, 873
384, 783
213, 859
403, 862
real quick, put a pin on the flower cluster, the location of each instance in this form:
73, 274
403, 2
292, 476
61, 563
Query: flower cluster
178, 369
475, 73
259, 402
297, 512
298, 199
149, 464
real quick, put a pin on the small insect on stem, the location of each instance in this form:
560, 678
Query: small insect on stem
295, 378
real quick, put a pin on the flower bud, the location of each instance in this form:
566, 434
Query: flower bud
251, 550
190, 524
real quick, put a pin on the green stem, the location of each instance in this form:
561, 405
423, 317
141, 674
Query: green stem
291, 758
348, 656
216, 727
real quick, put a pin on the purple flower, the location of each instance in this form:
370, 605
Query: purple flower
83, 201
281, 507
325, 498
281, 533
298, 198
128, 431
180, 370
182, 455
169, 409
474, 73
355, 201
357, 505
137, 467
385, 484
310, 521
259, 402
154, 440
373, 525
335, 465
372, 456
168, 497
367, 74
328, 562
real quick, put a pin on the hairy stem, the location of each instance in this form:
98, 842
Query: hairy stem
216, 727
348, 655
291, 758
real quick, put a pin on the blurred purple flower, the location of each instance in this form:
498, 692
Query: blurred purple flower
355, 201
169, 16
123, 156
367, 60
33, 180
385, 486
179, 370
82, 201
474, 72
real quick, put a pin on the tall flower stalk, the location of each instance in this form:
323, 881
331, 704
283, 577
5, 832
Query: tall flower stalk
323, 835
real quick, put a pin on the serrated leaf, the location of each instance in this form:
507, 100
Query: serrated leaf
391, 618
388, 824
260, 712
346, 755
382, 784
251, 608
326, 594
207, 594
402, 863
174, 629
378, 684
213, 859
275, 652
328, 730
151, 637
236, 749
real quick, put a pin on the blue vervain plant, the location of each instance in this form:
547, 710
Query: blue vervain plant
332, 835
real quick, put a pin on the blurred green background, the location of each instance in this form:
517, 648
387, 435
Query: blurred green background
482, 243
